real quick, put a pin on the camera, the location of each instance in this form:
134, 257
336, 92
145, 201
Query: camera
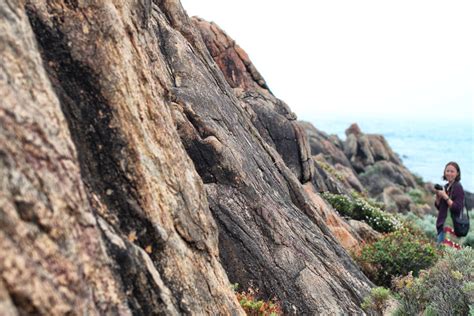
438, 187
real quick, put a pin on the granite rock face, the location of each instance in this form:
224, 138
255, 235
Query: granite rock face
266, 218
102, 211
271, 117
137, 178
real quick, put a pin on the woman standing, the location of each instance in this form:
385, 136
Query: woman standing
450, 197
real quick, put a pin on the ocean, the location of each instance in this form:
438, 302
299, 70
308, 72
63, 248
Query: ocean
425, 146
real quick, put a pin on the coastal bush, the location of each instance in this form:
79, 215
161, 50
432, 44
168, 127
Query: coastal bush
377, 301
395, 254
416, 196
379, 220
341, 203
359, 208
371, 201
419, 180
469, 239
445, 289
427, 223
256, 307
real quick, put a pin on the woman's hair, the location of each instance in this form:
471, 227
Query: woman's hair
455, 165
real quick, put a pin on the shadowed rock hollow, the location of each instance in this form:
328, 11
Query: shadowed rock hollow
143, 169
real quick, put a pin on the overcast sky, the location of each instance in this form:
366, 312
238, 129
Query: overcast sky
390, 58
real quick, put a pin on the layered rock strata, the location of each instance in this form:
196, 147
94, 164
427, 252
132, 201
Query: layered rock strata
132, 169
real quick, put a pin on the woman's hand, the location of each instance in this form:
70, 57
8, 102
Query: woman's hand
442, 194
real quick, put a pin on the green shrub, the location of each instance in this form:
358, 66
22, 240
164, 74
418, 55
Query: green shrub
254, 306
397, 253
427, 223
377, 301
379, 220
416, 196
359, 208
419, 180
469, 239
341, 203
371, 201
445, 289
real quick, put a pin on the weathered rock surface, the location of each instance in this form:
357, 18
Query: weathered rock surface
367, 233
347, 236
271, 231
331, 147
272, 118
102, 210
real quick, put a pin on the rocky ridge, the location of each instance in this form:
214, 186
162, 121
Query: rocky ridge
145, 166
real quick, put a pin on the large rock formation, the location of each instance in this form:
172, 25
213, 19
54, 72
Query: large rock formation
365, 162
266, 218
120, 137
86, 86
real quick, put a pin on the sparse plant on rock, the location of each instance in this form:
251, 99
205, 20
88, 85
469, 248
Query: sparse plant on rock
377, 301
254, 306
330, 169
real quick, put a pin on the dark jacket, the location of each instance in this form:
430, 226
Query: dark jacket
456, 194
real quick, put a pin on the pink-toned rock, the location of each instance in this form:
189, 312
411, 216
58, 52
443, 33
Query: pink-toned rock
344, 233
366, 233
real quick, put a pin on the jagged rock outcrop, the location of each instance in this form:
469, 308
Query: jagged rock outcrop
271, 116
373, 167
102, 210
379, 168
330, 146
334, 171
365, 150
262, 186
83, 85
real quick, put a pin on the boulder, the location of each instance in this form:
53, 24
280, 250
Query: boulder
330, 146
385, 173
364, 150
396, 200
